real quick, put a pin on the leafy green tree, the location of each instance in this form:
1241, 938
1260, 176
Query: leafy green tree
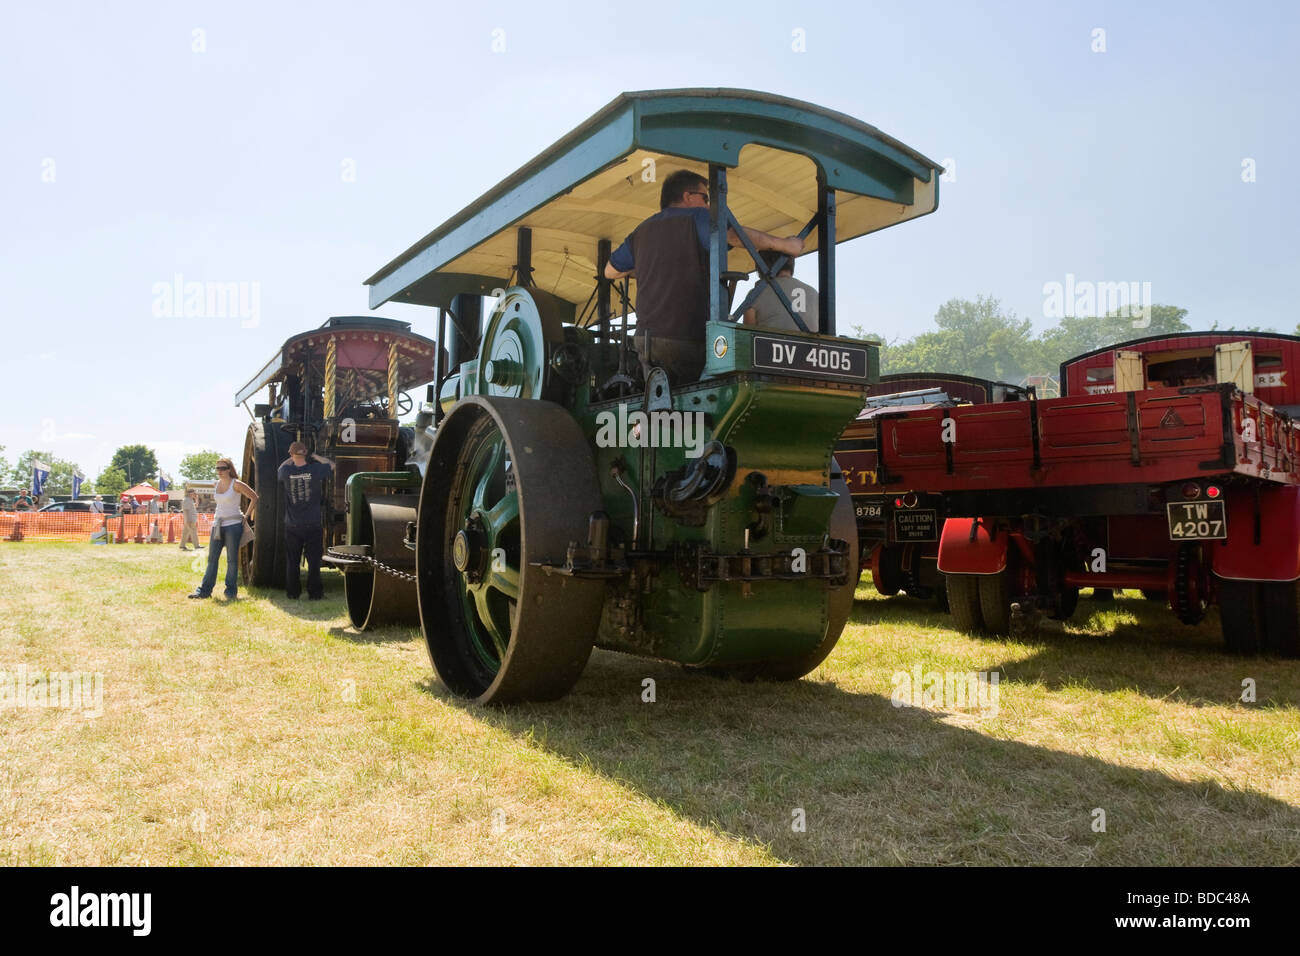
60, 480
1075, 335
137, 462
111, 482
200, 466
974, 338
4, 467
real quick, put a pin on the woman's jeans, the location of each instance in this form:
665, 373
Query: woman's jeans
226, 538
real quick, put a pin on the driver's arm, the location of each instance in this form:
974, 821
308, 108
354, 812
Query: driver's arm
322, 459
611, 273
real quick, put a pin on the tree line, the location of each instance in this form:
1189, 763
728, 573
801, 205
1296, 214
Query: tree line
983, 339
131, 465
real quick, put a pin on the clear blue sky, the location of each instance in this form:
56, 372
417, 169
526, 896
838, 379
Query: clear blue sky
226, 165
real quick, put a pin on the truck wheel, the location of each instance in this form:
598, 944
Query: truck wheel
262, 562
995, 601
1281, 632
964, 602
941, 596
1241, 616
510, 482
886, 570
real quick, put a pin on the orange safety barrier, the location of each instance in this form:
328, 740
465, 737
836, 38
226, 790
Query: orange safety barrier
82, 525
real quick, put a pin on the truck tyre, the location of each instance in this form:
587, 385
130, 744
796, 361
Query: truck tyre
941, 596
995, 601
964, 602
1241, 616
1281, 605
887, 570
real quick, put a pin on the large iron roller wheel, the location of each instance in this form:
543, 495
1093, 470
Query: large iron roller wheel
262, 563
510, 482
373, 597
845, 527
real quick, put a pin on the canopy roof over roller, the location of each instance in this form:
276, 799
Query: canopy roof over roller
602, 179
361, 343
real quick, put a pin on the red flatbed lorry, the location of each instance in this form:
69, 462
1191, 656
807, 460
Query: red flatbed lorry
904, 559
1159, 468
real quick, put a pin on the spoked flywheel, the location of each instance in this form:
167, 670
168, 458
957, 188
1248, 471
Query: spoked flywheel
510, 483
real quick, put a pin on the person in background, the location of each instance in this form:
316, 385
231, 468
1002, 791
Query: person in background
97, 505
767, 311
227, 529
190, 509
153, 505
304, 493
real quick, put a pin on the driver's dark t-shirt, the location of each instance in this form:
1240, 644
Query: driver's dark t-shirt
304, 491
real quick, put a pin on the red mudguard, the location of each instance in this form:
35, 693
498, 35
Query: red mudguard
1277, 555
959, 553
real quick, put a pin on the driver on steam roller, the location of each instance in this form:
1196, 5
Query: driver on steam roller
669, 254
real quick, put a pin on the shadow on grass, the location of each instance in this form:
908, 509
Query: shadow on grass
1137, 645
878, 784
1128, 644
391, 634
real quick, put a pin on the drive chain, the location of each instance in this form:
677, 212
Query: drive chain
375, 563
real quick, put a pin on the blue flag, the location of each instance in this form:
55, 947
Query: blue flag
77, 479
40, 474
163, 483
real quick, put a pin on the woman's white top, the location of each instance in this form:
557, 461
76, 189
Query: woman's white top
229, 506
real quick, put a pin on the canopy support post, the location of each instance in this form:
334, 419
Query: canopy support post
524, 257
718, 221
825, 253
603, 249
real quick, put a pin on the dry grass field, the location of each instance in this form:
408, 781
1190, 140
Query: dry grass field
268, 731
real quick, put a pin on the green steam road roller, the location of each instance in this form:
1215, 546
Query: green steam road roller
685, 508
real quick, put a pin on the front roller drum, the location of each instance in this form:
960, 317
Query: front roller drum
510, 482
376, 598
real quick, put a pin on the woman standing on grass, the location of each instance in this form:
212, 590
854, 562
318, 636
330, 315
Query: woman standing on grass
227, 528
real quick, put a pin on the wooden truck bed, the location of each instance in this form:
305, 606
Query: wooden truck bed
1147, 437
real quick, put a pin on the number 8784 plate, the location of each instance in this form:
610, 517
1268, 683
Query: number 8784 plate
1197, 520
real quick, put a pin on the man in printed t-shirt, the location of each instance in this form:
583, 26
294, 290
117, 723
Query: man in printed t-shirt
304, 493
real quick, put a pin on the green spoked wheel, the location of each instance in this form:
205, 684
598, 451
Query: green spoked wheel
510, 483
